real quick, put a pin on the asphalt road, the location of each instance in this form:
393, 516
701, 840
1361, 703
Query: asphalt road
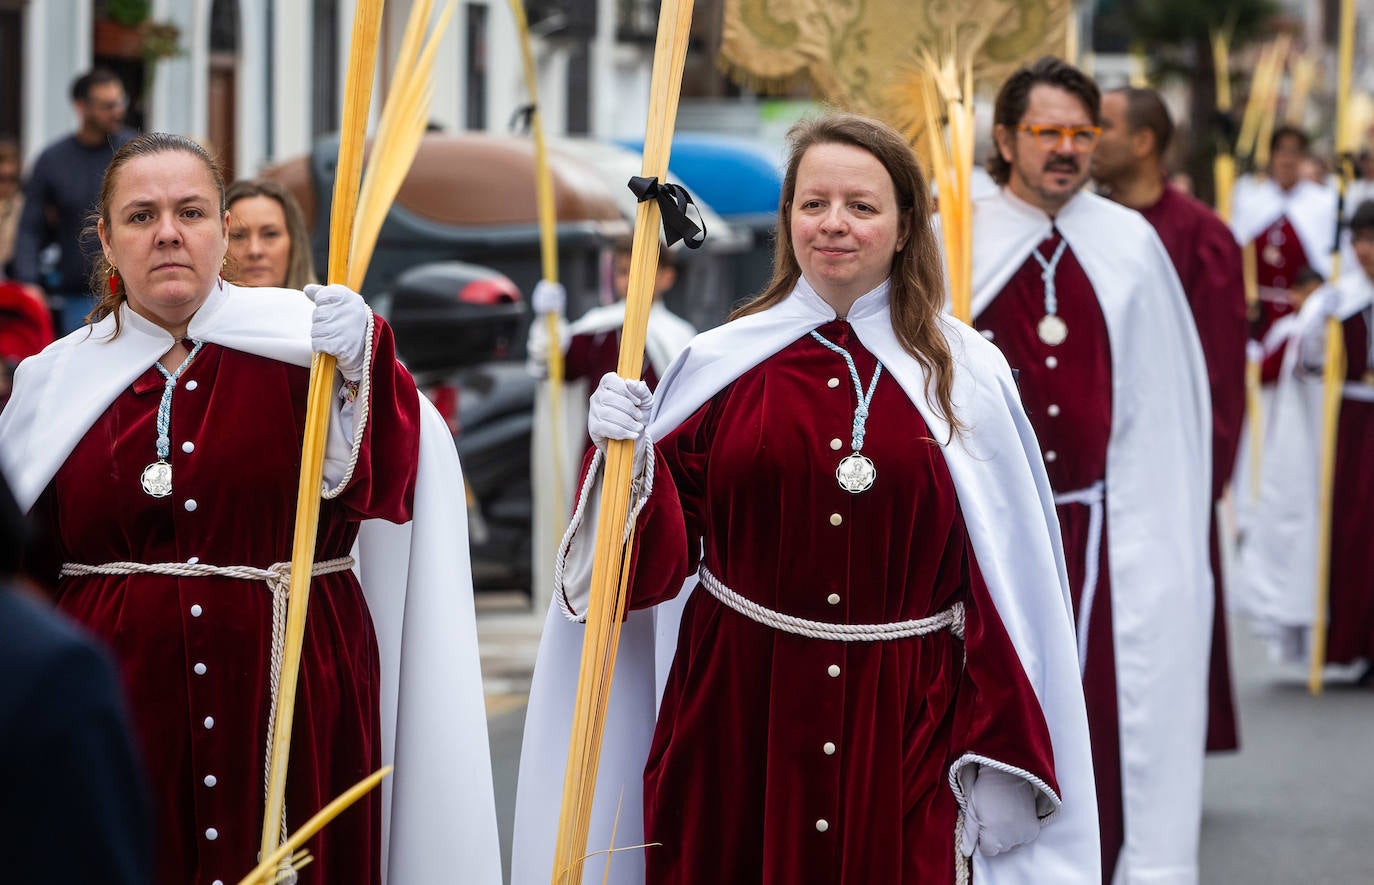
1294, 807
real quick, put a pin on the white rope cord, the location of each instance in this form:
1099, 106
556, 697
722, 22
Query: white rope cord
1093, 497
277, 576
641, 488
951, 619
1363, 393
963, 874
362, 405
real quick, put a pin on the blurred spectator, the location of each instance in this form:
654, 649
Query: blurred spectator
1316, 169
268, 242
61, 192
75, 806
25, 329
11, 201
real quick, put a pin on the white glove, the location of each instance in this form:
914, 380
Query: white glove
1001, 813
548, 297
537, 344
1328, 300
619, 409
1312, 346
338, 327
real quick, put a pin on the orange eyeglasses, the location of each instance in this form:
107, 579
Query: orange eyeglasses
1081, 138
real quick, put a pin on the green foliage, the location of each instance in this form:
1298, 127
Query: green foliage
160, 40
128, 12
1157, 22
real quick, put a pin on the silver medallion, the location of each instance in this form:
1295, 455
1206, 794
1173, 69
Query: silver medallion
157, 479
1052, 329
856, 474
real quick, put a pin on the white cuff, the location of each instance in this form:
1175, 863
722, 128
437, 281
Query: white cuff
347, 423
964, 772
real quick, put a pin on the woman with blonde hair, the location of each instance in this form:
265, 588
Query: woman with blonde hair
874, 677
268, 242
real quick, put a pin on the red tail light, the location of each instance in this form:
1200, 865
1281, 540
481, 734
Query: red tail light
445, 399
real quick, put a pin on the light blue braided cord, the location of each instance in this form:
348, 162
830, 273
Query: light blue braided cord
164, 408
1047, 269
861, 410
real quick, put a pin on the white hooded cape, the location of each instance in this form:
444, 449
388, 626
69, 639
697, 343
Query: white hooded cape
1007, 507
1278, 563
1309, 207
1158, 506
438, 807
666, 337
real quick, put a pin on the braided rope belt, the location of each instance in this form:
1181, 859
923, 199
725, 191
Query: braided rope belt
1094, 497
277, 576
951, 619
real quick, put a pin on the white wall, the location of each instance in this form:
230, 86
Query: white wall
57, 43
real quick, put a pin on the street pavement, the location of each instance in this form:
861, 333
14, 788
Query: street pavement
1294, 807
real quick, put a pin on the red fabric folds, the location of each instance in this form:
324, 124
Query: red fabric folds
195, 652
1279, 258
1067, 392
762, 735
1350, 636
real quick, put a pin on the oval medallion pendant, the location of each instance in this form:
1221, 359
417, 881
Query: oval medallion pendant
856, 473
157, 479
1052, 329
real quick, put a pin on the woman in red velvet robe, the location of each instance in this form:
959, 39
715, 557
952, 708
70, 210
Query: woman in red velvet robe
783, 757
195, 650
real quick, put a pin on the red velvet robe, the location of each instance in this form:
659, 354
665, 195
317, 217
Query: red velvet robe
739, 773
1208, 262
1350, 636
194, 652
592, 355
1279, 258
1067, 392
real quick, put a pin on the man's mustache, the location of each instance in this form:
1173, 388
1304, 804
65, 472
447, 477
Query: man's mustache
1062, 165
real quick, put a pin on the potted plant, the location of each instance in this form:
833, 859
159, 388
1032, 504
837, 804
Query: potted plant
124, 30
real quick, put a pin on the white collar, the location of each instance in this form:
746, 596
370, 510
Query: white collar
872, 303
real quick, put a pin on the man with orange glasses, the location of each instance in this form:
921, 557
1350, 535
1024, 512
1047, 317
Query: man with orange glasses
1082, 298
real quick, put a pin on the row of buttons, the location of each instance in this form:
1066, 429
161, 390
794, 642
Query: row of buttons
833, 670
211, 833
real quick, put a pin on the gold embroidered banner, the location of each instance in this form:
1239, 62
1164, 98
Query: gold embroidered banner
863, 54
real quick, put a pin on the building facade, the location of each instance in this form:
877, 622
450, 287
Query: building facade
258, 80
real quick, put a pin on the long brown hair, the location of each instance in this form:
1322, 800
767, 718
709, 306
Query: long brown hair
146, 145
917, 275
300, 270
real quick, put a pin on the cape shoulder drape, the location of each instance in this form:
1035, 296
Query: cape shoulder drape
1278, 563
438, 806
1308, 206
1158, 506
1009, 516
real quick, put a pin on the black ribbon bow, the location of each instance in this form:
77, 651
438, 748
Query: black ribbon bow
673, 201
522, 120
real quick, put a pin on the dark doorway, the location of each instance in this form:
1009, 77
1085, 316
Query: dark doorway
222, 92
